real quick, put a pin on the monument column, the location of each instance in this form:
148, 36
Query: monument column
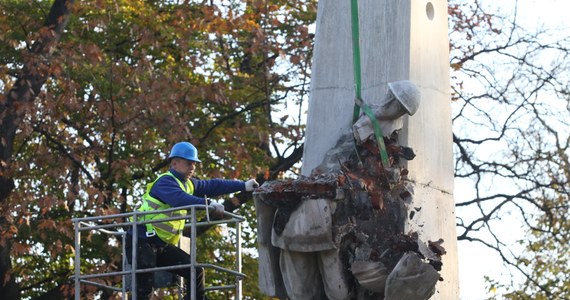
399, 40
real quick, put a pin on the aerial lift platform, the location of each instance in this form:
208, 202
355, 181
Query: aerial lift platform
117, 226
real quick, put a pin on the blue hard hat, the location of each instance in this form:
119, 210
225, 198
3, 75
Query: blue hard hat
185, 150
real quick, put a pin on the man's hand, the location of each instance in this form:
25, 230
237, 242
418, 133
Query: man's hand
218, 209
250, 185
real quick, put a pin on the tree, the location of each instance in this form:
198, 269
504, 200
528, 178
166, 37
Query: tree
128, 78
35, 69
126, 81
511, 143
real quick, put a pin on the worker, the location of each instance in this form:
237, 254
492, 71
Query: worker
157, 242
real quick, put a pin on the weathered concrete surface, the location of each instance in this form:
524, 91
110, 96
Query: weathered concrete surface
399, 40
429, 133
384, 31
270, 278
340, 231
310, 267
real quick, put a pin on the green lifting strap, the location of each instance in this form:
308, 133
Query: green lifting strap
358, 86
356, 56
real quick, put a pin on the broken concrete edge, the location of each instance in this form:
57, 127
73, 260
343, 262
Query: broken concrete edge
352, 177
411, 278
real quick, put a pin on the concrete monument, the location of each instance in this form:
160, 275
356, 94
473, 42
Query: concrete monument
350, 227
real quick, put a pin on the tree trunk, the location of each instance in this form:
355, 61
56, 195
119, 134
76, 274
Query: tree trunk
12, 110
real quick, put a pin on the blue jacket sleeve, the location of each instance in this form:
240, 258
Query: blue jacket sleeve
167, 190
217, 187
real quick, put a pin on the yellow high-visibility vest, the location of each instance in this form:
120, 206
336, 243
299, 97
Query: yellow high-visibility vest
168, 231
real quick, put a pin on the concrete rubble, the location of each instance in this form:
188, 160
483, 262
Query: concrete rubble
339, 233
359, 209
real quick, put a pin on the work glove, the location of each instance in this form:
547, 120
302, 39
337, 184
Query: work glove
251, 184
218, 208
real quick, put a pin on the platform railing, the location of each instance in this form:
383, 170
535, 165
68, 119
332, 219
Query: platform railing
116, 229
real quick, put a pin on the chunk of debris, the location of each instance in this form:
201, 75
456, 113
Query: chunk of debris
436, 247
371, 275
411, 279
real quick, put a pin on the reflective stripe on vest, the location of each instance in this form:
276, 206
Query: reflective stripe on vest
168, 231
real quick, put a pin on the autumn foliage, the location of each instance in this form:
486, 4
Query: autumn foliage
125, 81
95, 92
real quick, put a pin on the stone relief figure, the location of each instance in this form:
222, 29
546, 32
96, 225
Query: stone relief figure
320, 235
403, 97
